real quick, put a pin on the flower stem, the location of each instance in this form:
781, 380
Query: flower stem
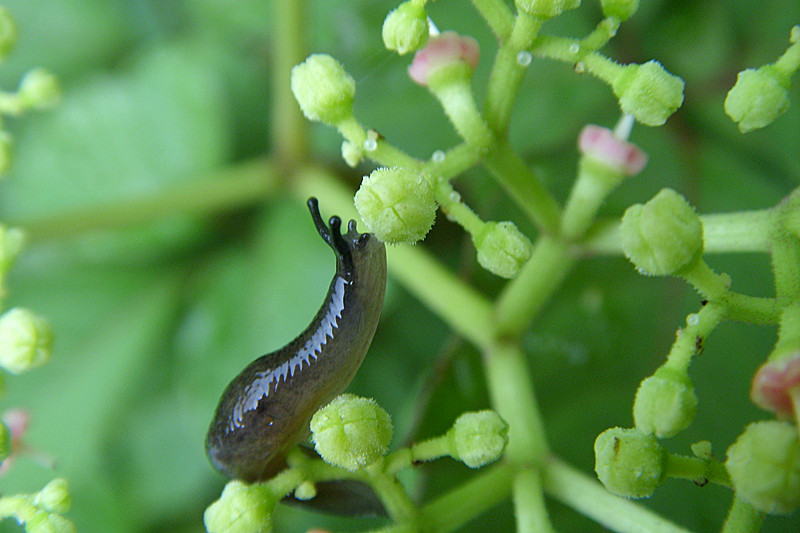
698, 470
529, 507
742, 518
497, 15
585, 495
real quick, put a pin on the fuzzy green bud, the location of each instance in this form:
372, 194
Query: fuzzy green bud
351, 432
11, 240
546, 9
324, 90
502, 248
621, 9
662, 236
25, 340
764, 465
396, 204
54, 497
628, 462
665, 403
39, 89
648, 92
406, 28
8, 33
478, 438
241, 508
44, 522
758, 98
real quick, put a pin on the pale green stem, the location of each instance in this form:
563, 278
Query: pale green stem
456, 210
393, 496
497, 15
690, 338
524, 297
529, 506
242, 185
698, 470
742, 518
289, 129
786, 250
513, 397
585, 495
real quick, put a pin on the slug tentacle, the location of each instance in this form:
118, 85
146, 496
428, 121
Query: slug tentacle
265, 410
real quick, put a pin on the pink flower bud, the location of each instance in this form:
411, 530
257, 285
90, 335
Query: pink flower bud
442, 50
600, 144
775, 383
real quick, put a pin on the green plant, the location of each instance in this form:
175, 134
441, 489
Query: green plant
572, 321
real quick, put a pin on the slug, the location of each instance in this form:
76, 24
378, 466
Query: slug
266, 409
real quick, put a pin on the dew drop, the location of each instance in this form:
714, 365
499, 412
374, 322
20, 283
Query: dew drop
524, 58
574, 48
437, 156
455, 197
693, 319
370, 144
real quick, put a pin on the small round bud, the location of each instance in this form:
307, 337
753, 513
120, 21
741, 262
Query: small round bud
25, 340
351, 432
8, 33
11, 240
241, 509
478, 438
758, 97
324, 90
764, 465
442, 51
665, 403
44, 522
628, 462
305, 491
662, 236
39, 89
6, 145
396, 204
621, 9
502, 248
406, 28
617, 155
54, 497
648, 92
546, 9
775, 382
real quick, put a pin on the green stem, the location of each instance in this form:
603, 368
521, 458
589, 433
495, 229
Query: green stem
383, 152
595, 182
742, 518
393, 496
243, 185
529, 506
689, 339
507, 73
289, 129
456, 210
585, 495
451, 86
786, 250
513, 397
523, 186
497, 15
697, 470
449, 512
524, 297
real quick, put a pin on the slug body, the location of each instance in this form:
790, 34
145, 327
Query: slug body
266, 409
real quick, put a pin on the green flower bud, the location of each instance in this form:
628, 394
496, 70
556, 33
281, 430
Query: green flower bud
25, 340
546, 9
502, 248
758, 97
406, 28
621, 9
241, 509
351, 432
324, 90
478, 438
764, 465
6, 145
5, 442
628, 462
39, 89
648, 92
665, 403
54, 497
8, 33
396, 204
662, 236
352, 153
305, 491
11, 240
44, 522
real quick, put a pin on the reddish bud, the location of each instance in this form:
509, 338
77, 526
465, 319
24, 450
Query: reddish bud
775, 383
443, 50
600, 144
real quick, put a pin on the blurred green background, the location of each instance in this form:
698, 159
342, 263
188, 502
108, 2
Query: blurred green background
153, 320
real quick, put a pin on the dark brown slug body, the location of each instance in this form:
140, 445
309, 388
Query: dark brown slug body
266, 409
